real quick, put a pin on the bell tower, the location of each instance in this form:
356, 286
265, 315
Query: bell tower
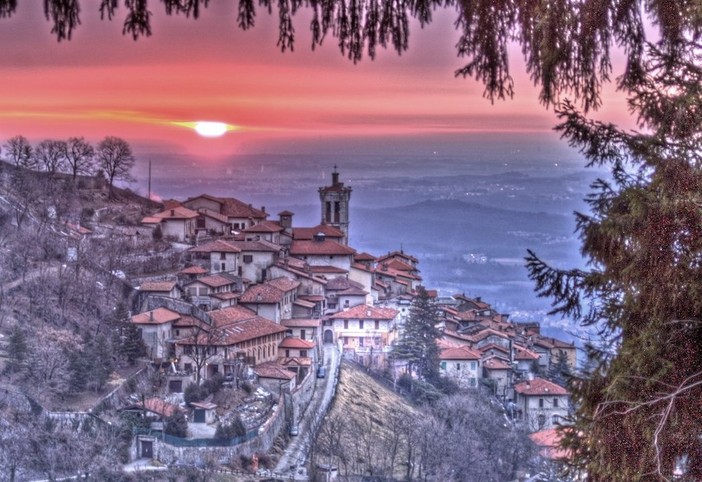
335, 205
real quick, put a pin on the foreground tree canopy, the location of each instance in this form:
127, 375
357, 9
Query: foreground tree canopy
566, 43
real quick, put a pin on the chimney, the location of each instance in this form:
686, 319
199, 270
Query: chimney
263, 208
335, 177
172, 212
151, 316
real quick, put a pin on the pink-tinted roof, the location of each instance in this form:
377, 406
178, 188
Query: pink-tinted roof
366, 312
364, 257
273, 370
296, 343
301, 323
180, 212
496, 364
326, 247
193, 270
160, 286
549, 443
155, 317
161, 407
459, 353
265, 227
216, 246
232, 314
284, 284
539, 386
213, 281
309, 233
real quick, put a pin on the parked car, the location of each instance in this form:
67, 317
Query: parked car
321, 372
294, 430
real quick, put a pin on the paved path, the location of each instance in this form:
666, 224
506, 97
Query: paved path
295, 455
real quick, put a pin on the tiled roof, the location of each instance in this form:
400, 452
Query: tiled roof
539, 386
361, 267
301, 323
265, 227
233, 208
459, 353
364, 257
256, 246
398, 254
235, 333
155, 317
273, 370
496, 364
213, 215
217, 246
284, 284
161, 407
157, 286
366, 312
232, 314
342, 283
326, 247
327, 269
180, 212
150, 220
262, 293
193, 270
296, 343
309, 233
549, 443
303, 303
213, 281
521, 353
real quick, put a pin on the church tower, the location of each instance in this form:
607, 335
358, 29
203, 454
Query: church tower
335, 205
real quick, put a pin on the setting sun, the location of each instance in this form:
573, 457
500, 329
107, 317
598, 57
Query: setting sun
211, 129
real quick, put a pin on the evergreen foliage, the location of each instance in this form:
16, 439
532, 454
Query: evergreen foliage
417, 345
17, 350
638, 410
230, 430
559, 372
177, 425
132, 346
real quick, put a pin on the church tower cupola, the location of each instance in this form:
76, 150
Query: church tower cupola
335, 205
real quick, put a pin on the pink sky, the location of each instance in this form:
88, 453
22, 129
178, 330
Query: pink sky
101, 83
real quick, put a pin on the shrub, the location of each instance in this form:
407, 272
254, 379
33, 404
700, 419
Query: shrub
247, 387
194, 393
213, 384
177, 425
230, 430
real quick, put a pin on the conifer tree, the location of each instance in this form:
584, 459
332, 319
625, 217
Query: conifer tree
417, 345
638, 410
17, 350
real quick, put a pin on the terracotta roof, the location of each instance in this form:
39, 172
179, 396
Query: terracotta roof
214, 215
160, 407
284, 284
157, 286
256, 246
273, 370
262, 293
492, 346
229, 295
204, 405
296, 361
301, 323
296, 343
539, 386
235, 333
304, 303
521, 353
232, 314
366, 312
313, 298
286, 213
326, 247
213, 281
309, 233
496, 364
362, 267
150, 220
155, 317
193, 270
459, 353
180, 212
489, 332
398, 254
399, 265
364, 257
216, 246
548, 442
232, 208
327, 269
265, 227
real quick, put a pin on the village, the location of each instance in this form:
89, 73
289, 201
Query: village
262, 301
230, 328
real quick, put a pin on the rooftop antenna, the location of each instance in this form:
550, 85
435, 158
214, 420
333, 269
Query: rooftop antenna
149, 179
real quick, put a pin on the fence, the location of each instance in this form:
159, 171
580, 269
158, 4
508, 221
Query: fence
196, 442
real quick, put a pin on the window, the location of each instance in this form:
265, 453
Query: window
360, 341
222, 267
458, 367
211, 350
188, 349
555, 419
287, 353
302, 333
222, 256
360, 324
303, 353
248, 258
346, 324
346, 340
377, 325
541, 403
472, 365
443, 365
542, 420
555, 402
472, 381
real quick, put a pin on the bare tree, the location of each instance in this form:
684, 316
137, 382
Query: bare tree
20, 152
201, 347
116, 159
49, 154
80, 156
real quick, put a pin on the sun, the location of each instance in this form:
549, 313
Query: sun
211, 129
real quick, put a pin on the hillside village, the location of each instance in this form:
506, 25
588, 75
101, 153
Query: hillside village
255, 302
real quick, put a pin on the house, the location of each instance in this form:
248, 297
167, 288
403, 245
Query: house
322, 252
213, 291
365, 332
156, 328
222, 348
275, 378
462, 365
548, 441
256, 259
308, 234
238, 214
272, 299
343, 293
499, 372
177, 222
223, 256
168, 289
292, 347
270, 231
540, 404
204, 412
